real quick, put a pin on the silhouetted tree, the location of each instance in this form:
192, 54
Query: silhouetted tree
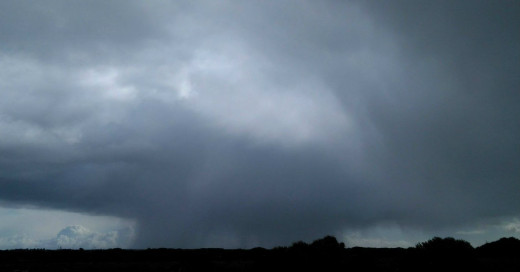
299, 247
299, 244
503, 248
327, 243
444, 245
446, 251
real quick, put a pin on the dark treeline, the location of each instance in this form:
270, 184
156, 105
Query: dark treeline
325, 254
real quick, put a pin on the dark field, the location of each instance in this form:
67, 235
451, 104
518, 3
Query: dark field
321, 255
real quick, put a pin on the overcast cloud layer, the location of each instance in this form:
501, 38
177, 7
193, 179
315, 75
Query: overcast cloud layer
260, 123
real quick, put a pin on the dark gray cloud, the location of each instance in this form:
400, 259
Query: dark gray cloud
245, 124
453, 125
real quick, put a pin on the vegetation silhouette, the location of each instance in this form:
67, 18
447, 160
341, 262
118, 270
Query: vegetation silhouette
446, 253
445, 245
324, 254
502, 248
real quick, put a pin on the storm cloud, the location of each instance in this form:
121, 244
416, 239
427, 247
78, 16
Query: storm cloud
259, 123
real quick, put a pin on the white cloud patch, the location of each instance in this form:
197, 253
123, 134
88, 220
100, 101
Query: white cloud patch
236, 88
72, 237
32, 228
356, 240
19, 241
106, 81
383, 235
513, 226
81, 237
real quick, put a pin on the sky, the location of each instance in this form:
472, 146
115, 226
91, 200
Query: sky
237, 124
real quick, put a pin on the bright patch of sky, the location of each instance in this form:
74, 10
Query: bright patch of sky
37, 228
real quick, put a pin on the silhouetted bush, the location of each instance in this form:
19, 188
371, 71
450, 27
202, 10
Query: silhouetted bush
449, 244
299, 244
443, 253
299, 248
327, 243
503, 248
